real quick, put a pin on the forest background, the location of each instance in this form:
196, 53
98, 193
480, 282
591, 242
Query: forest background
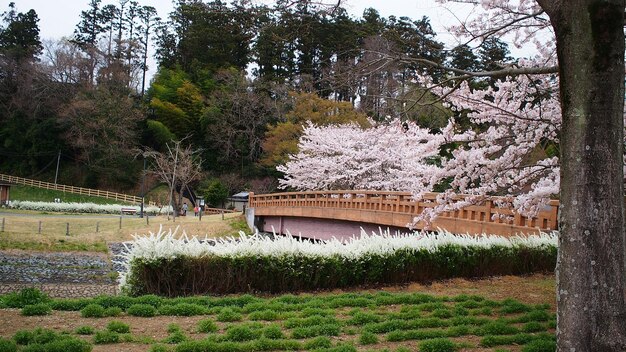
236, 82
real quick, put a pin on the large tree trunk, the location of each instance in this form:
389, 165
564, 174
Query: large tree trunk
591, 267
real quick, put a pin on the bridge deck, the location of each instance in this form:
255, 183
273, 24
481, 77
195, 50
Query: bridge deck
398, 209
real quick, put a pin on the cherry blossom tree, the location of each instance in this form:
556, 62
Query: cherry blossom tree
587, 37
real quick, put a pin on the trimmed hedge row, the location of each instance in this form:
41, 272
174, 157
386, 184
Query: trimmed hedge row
185, 275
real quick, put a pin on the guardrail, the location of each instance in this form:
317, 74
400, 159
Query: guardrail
378, 207
70, 189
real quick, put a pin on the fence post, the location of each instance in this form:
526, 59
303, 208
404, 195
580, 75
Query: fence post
67, 229
120, 222
39, 231
222, 214
147, 219
97, 226
2, 228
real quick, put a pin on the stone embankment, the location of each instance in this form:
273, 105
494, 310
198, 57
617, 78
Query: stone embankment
60, 274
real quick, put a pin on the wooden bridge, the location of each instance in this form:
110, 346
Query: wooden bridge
343, 213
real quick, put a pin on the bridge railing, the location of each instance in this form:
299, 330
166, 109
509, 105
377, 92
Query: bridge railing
487, 211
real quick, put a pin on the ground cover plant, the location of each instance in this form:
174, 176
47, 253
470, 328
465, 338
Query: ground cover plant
392, 321
164, 264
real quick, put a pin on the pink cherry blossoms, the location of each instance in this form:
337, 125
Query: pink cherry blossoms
503, 154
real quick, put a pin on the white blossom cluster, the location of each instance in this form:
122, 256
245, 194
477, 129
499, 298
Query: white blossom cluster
89, 208
166, 245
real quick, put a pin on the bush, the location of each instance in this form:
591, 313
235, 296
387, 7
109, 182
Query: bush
118, 326
273, 332
318, 342
533, 326
142, 310
68, 344
26, 296
92, 311
305, 266
36, 309
69, 304
158, 348
496, 328
540, 346
24, 337
182, 309
207, 326
437, 345
228, 315
85, 330
240, 333
175, 337
7, 345
368, 338
113, 312
266, 315
106, 337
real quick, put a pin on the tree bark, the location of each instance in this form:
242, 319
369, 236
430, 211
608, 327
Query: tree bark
591, 307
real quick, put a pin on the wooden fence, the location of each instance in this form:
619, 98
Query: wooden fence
399, 209
70, 189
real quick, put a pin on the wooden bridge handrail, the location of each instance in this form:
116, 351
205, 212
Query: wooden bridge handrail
486, 211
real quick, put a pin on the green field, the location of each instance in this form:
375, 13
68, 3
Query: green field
361, 321
28, 193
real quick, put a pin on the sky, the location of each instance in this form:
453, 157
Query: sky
58, 18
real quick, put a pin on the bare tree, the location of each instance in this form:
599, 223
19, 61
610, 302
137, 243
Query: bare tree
178, 167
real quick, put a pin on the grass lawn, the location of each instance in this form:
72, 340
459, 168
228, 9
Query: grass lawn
22, 232
20, 192
407, 318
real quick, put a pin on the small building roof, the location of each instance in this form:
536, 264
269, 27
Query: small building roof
241, 195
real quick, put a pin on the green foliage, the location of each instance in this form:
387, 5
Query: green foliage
106, 337
118, 326
85, 330
533, 326
368, 338
512, 306
207, 326
496, 328
437, 345
214, 192
92, 311
422, 334
240, 333
26, 296
362, 318
267, 315
442, 313
142, 310
24, 337
70, 304
317, 343
175, 337
316, 330
182, 309
36, 309
158, 348
273, 332
294, 273
540, 346
228, 315
113, 312
28, 193
172, 328
7, 345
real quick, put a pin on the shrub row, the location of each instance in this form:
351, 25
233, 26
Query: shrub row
163, 265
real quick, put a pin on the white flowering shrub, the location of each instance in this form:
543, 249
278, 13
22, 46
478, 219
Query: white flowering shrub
171, 265
90, 208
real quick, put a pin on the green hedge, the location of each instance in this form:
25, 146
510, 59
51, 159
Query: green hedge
186, 276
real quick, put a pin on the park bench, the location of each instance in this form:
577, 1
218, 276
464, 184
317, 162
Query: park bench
129, 211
